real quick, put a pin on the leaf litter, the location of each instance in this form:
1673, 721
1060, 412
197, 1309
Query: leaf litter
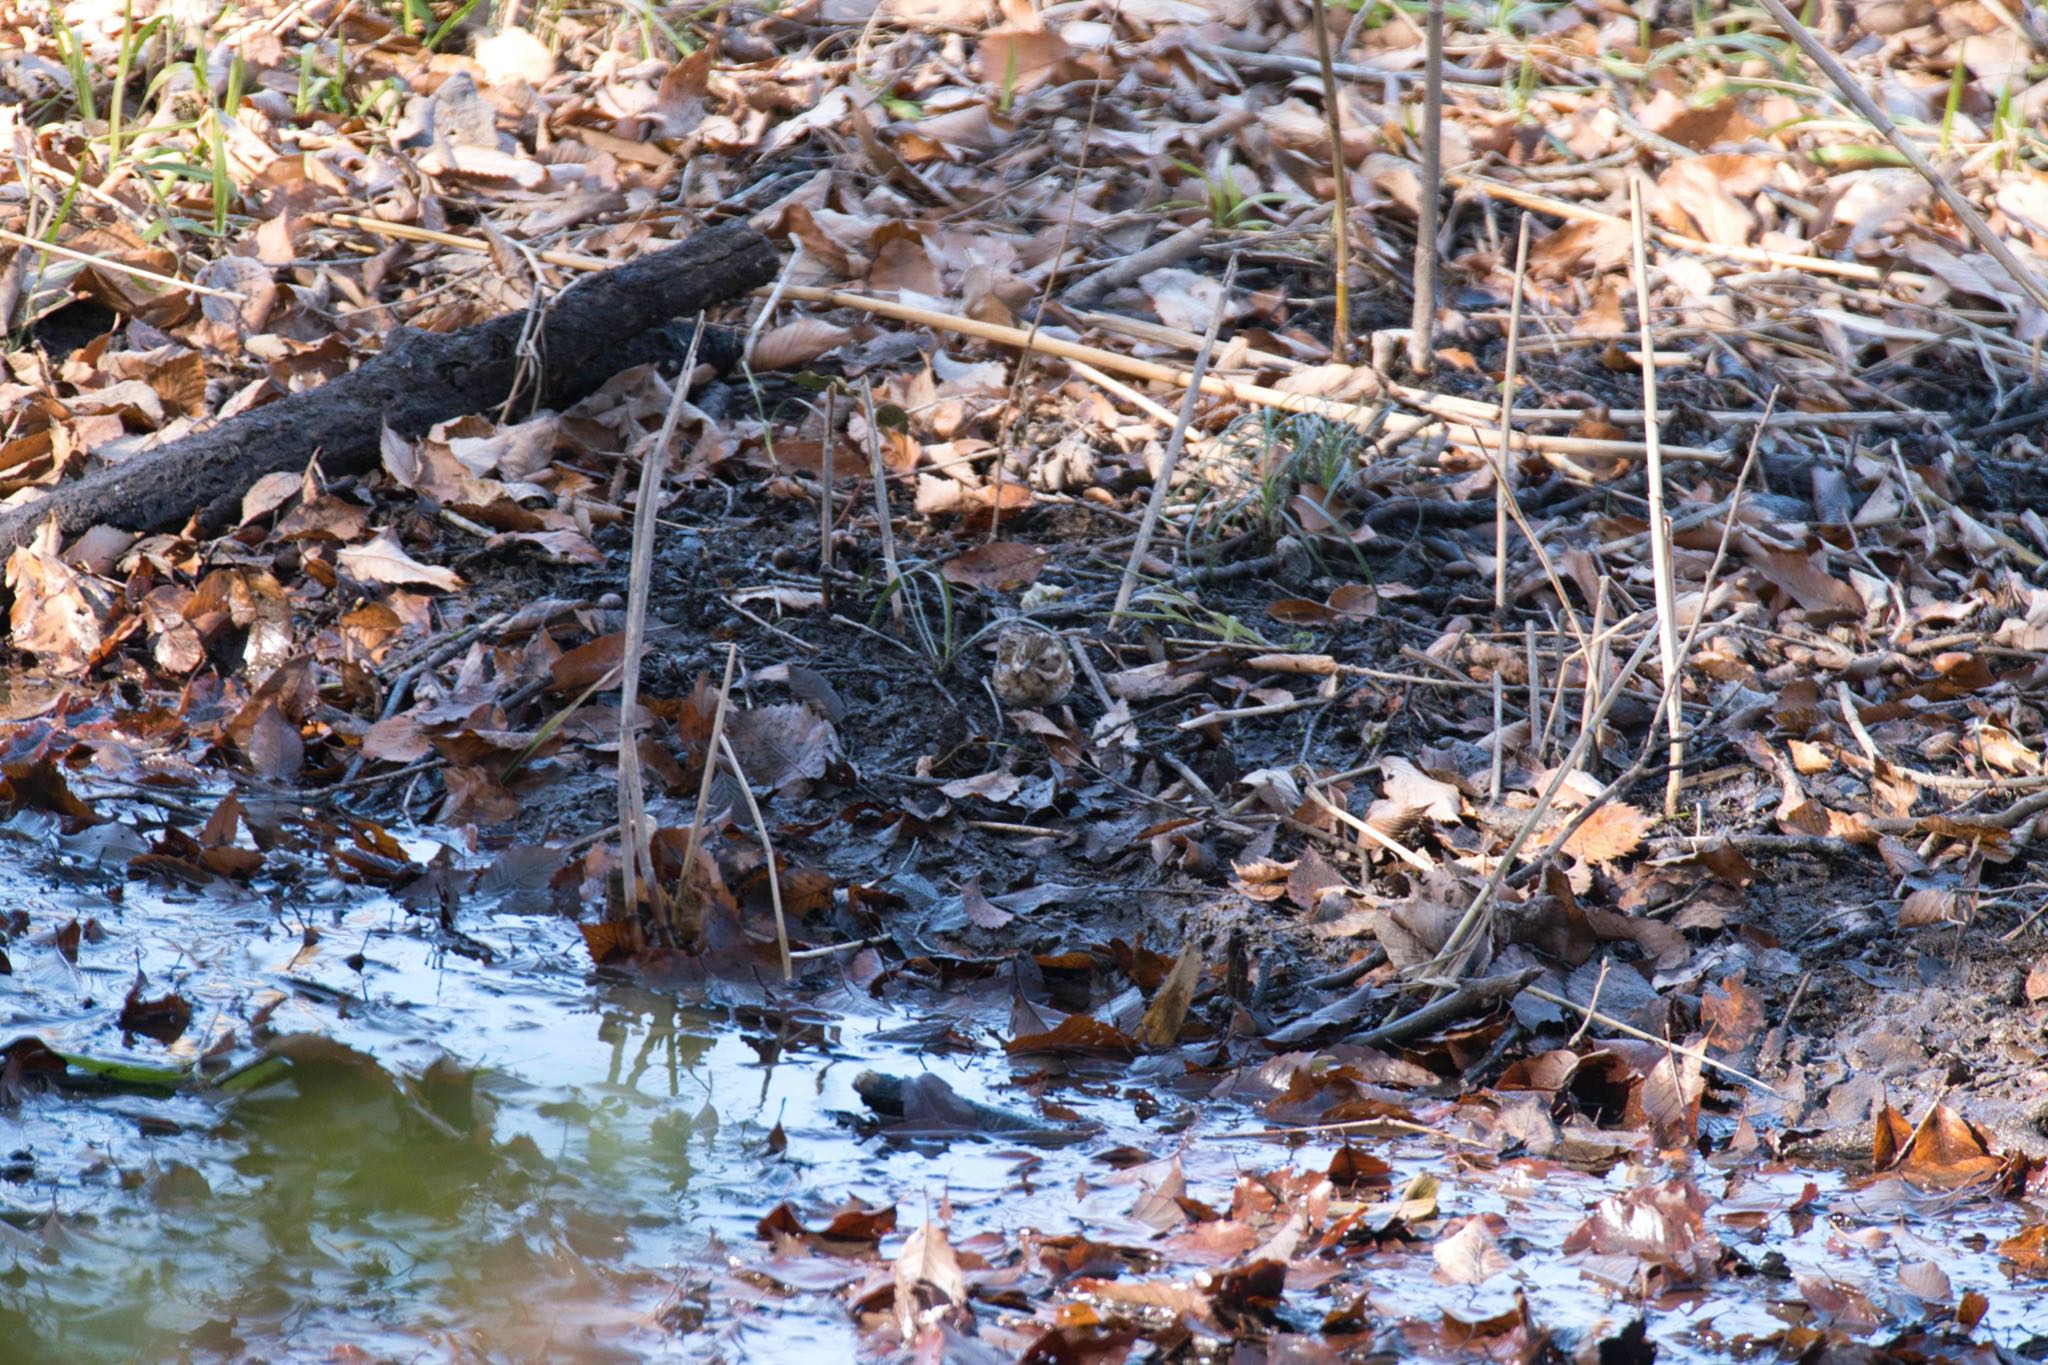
1312, 959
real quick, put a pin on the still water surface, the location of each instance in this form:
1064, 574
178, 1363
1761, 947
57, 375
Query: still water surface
523, 1160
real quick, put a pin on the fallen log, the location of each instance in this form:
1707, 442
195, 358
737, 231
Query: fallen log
592, 330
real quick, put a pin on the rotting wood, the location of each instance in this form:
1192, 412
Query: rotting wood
595, 328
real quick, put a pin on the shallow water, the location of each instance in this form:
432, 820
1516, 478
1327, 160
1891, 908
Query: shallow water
524, 1160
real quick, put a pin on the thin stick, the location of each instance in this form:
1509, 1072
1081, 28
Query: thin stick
1143, 403
825, 514
376, 227
638, 860
1860, 100
1469, 998
1494, 770
118, 267
867, 399
732, 761
1594, 657
1164, 483
774, 300
1630, 1030
1422, 323
1453, 412
1463, 934
1748, 255
1503, 470
696, 839
1271, 708
1542, 740
1692, 634
1340, 171
853, 945
1661, 569
1366, 831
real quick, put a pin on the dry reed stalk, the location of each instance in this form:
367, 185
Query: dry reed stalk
696, 839
636, 863
1503, 469
1340, 171
1156, 411
1362, 415
1713, 576
376, 227
1494, 769
118, 267
1459, 942
1594, 662
1529, 664
1142, 545
1503, 478
1422, 322
1661, 571
1367, 833
732, 761
825, 513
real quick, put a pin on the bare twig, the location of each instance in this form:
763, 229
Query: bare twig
1366, 831
1469, 998
1422, 322
1130, 269
636, 862
107, 263
1592, 724
1503, 469
696, 839
732, 761
826, 515
1456, 414
1463, 935
1340, 171
1609, 1022
1661, 570
1164, 482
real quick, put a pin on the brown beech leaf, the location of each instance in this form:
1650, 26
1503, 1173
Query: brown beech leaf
275, 749
1469, 1255
1160, 1028
999, 566
979, 909
384, 561
1610, 833
796, 343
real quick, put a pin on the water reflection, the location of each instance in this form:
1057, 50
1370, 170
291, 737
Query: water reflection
513, 1160
372, 1194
